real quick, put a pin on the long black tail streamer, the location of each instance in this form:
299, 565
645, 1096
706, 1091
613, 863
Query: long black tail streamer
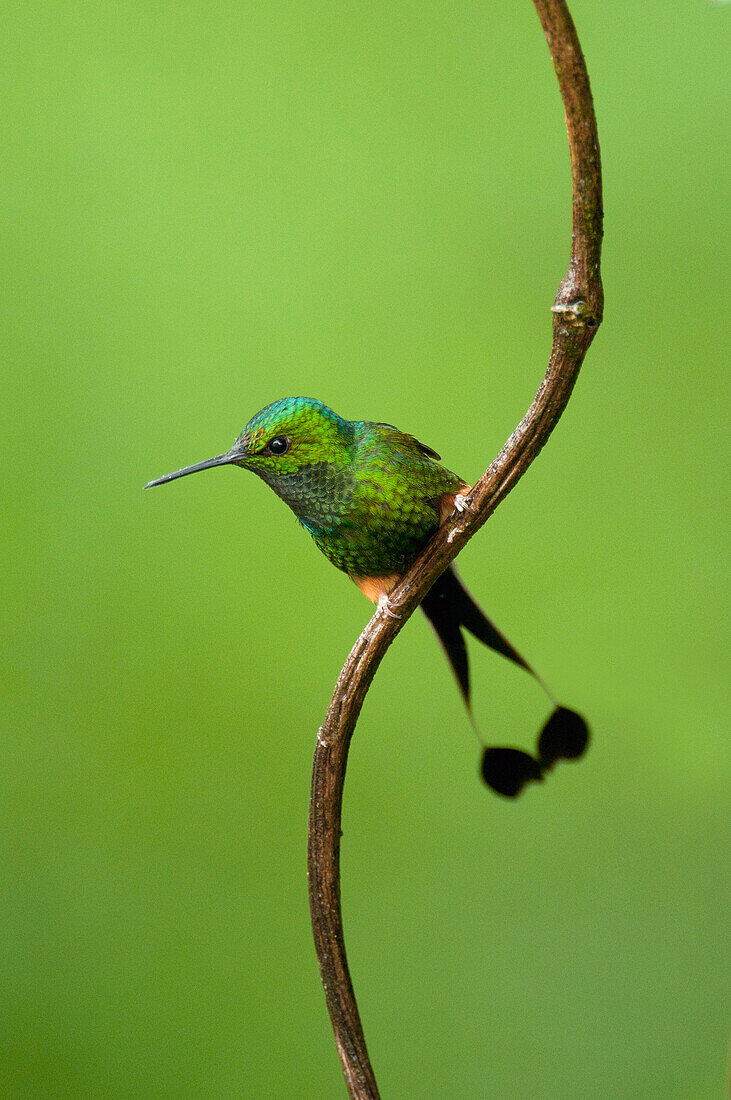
565, 736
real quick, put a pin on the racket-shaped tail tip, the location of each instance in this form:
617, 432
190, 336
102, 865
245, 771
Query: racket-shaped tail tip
565, 736
506, 771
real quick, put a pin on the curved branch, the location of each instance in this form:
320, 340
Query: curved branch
577, 314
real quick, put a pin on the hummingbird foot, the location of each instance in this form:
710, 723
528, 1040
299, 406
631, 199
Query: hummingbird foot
384, 607
461, 503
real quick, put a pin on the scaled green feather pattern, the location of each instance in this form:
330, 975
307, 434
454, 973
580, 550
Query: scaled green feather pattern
367, 493
371, 496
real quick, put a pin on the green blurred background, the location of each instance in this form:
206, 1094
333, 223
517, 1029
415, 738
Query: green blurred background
206, 207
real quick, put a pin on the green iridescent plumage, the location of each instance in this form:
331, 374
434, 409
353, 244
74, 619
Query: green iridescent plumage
367, 493
371, 497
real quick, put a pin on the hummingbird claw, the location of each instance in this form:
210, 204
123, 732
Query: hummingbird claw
461, 503
384, 607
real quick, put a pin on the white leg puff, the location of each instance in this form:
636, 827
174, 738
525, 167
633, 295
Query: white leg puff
384, 607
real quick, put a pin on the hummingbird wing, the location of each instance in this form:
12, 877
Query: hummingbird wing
428, 451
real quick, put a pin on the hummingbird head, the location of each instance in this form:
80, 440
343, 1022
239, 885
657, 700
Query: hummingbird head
281, 441
290, 434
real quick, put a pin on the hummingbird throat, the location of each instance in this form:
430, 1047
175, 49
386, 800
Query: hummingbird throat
319, 494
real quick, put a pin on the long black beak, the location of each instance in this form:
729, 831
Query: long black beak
228, 459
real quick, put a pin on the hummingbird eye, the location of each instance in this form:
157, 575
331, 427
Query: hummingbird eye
279, 445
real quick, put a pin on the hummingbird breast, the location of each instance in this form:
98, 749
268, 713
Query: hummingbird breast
350, 518
371, 509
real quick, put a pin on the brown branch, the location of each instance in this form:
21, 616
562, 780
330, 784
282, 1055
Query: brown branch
577, 314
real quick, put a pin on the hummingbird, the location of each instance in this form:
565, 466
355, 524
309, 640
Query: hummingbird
371, 496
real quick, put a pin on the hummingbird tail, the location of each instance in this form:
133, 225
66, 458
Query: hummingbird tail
450, 609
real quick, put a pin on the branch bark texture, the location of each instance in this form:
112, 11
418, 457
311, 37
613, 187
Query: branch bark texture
577, 313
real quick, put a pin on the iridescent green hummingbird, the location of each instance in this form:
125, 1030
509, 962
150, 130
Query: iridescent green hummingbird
371, 496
